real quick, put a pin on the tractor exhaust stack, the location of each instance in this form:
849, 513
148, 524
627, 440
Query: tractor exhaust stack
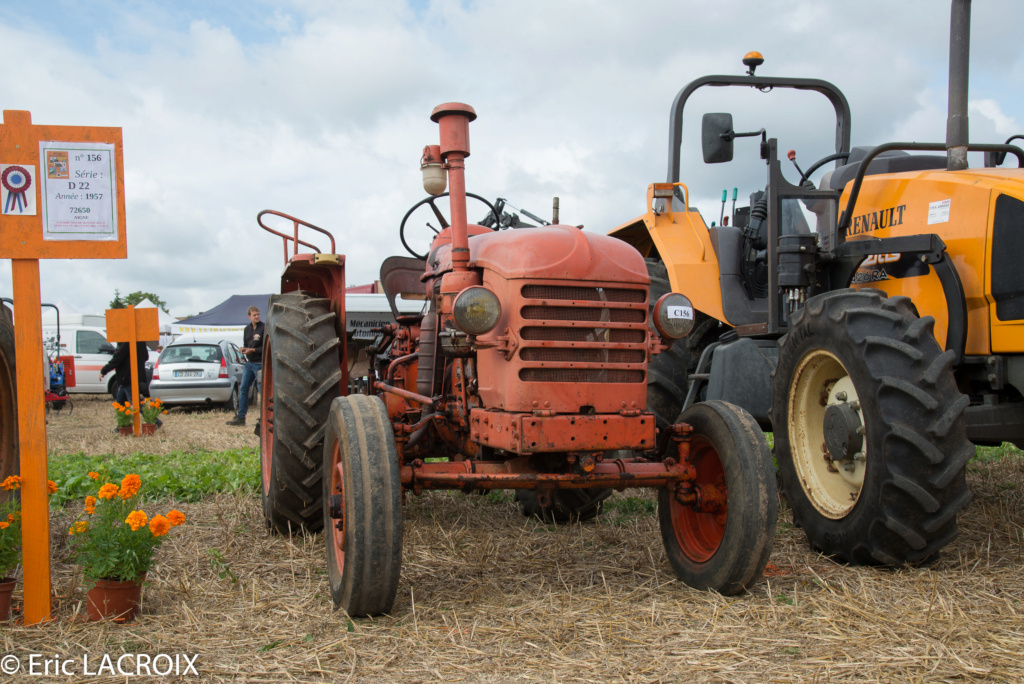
959, 65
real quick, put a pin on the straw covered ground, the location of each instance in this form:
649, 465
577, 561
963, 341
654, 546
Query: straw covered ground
489, 596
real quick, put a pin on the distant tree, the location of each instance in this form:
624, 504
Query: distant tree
134, 298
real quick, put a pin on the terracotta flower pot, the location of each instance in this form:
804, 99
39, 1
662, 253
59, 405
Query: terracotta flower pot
113, 599
148, 428
125, 429
6, 587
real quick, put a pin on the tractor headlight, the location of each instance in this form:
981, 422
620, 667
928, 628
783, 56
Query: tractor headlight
673, 316
476, 310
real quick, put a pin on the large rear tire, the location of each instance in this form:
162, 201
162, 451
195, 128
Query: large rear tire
725, 550
301, 377
9, 454
363, 516
567, 505
869, 429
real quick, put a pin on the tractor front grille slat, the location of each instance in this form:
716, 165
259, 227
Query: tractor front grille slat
587, 375
588, 318
584, 294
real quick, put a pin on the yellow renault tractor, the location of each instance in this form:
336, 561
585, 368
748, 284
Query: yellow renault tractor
875, 322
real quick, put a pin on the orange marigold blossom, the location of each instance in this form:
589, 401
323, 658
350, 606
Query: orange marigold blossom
130, 486
4, 525
51, 486
176, 517
136, 520
12, 482
108, 491
94, 476
10, 517
159, 526
79, 527
90, 504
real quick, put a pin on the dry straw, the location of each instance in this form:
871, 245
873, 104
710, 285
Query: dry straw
489, 596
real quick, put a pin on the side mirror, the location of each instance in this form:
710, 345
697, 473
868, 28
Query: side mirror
106, 348
716, 138
994, 159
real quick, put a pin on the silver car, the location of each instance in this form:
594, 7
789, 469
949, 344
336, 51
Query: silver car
198, 372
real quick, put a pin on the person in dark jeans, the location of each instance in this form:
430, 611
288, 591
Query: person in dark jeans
121, 364
252, 347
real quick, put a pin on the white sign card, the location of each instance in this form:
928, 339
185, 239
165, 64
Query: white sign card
938, 212
79, 190
18, 189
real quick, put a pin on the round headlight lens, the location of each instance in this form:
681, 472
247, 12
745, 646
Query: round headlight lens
476, 310
673, 316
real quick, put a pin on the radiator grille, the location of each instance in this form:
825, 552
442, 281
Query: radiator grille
611, 315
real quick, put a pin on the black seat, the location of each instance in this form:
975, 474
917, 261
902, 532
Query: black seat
893, 161
401, 276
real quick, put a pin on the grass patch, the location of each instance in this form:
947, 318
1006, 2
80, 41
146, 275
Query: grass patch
629, 507
989, 454
182, 476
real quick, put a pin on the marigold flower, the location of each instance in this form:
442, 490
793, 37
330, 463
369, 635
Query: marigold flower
159, 526
51, 486
4, 525
130, 486
90, 504
94, 476
12, 482
108, 491
176, 517
136, 520
79, 527
10, 517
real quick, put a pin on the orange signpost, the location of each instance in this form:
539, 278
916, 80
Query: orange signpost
133, 325
61, 197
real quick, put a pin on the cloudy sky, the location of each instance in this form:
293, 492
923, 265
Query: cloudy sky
320, 108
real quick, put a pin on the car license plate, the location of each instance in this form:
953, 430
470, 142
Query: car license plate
188, 374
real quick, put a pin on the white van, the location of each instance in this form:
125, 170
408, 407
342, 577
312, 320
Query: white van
91, 351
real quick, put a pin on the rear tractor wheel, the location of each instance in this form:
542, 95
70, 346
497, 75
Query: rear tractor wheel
869, 429
301, 376
719, 536
9, 463
363, 516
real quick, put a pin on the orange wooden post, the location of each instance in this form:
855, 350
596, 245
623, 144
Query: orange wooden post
133, 325
86, 221
35, 513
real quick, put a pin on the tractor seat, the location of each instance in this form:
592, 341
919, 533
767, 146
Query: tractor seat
400, 275
893, 161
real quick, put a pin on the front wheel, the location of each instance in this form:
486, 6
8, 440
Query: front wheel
723, 540
363, 512
869, 429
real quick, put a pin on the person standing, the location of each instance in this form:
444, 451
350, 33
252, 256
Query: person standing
252, 341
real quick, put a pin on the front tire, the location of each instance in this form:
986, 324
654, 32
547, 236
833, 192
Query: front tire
363, 517
724, 550
869, 429
302, 375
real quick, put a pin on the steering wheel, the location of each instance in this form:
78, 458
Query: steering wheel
821, 162
440, 218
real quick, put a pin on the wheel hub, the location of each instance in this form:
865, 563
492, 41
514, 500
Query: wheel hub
843, 431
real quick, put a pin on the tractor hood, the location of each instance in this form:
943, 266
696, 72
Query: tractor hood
551, 252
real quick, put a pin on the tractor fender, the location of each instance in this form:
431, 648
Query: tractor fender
741, 375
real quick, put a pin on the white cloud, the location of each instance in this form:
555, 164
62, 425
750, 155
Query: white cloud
320, 109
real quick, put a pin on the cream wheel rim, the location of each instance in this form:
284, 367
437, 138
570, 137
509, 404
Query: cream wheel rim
832, 486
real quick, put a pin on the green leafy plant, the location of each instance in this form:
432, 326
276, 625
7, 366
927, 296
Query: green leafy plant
220, 566
180, 475
112, 539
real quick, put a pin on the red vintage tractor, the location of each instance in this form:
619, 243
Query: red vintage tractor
525, 370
